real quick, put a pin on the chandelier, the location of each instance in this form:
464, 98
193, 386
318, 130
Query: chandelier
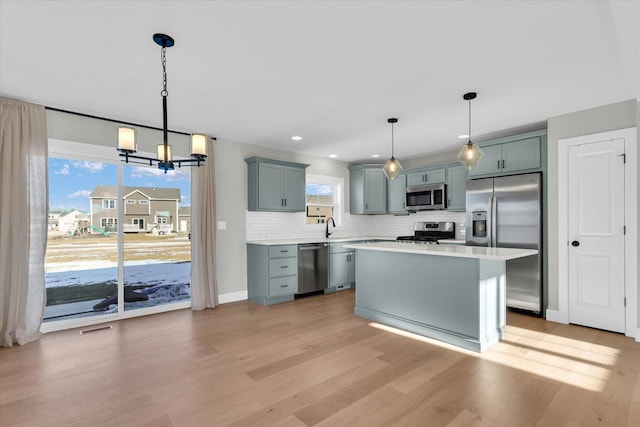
164, 160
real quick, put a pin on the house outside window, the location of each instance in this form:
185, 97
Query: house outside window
108, 204
131, 202
323, 199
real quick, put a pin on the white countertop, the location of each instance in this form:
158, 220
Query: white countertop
478, 252
298, 241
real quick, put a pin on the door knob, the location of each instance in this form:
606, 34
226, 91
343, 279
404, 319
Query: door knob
575, 243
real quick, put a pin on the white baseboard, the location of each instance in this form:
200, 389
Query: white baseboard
233, 297
638, 335
557, 316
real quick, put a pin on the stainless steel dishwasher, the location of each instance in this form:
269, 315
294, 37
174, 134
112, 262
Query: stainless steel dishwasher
312, 267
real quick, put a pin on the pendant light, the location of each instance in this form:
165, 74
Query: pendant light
127, 136
469, 154
392, 167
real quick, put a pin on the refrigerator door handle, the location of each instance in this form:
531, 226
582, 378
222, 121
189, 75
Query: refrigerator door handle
494, 222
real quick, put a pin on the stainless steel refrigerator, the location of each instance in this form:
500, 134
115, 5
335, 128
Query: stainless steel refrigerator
506, 212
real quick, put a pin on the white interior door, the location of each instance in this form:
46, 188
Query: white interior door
596, 235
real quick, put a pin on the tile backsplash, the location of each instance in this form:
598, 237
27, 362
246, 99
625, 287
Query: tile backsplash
277, 225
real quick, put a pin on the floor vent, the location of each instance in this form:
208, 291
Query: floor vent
101, 328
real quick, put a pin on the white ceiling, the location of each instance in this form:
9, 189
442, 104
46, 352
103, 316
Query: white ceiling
329, 71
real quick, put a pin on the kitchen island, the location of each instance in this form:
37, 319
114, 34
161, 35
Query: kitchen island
451, 293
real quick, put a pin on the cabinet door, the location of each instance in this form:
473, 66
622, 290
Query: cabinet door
338, 269
456, 188
490, 163
426, 176
521, 155
351, 267
415, 178
270, 187
294, 191
396, 194
375, 189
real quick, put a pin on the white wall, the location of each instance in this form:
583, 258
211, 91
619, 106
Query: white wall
605, 118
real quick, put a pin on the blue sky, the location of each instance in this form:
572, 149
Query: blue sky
321, 189
71, 181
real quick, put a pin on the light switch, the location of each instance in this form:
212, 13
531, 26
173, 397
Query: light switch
222, 225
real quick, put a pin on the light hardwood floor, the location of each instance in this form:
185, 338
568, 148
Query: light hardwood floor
311, 362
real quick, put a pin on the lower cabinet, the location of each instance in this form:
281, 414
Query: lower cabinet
272, 273
342, 267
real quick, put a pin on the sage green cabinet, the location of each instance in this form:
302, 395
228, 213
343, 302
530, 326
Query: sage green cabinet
426, 176
396, 194
456, 188
514, 156
342, 267
272, 273
276, 186
367, 190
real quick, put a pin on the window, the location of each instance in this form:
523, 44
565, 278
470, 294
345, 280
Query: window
144, 202
161, 220
84, 276
109, 224
323, 199
131, 202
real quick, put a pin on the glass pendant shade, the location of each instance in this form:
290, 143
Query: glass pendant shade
161, 153
198, 146
126, 139
392, 168
469, 155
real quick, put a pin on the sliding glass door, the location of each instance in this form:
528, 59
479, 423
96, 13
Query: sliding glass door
81, 263
118, 239
157, 246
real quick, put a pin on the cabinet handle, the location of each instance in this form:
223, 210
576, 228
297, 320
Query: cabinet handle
498, 164
284, 251
284, 286
284, 266
285, 202
426, 177
503, 164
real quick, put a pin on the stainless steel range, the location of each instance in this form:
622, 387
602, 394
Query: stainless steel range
430, 232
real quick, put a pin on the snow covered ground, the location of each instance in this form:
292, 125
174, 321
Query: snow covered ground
166, 283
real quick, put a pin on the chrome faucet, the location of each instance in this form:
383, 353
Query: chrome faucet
327, 234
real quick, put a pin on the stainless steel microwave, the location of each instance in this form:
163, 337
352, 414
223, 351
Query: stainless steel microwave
426, 197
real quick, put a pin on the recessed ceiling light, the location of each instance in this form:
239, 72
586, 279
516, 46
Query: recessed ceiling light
375, 155
296, 138
463, 136
333, 156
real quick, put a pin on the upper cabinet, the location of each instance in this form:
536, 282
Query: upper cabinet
396, 194
367, 189
276, 186
517, 154
456, 188
426, 176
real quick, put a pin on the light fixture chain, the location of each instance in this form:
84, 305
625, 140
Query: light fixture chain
164, 71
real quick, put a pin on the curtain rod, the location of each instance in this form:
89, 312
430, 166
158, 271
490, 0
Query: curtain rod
117, 121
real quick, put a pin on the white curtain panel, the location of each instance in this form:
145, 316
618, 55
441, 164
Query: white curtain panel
204, 287
24, 207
